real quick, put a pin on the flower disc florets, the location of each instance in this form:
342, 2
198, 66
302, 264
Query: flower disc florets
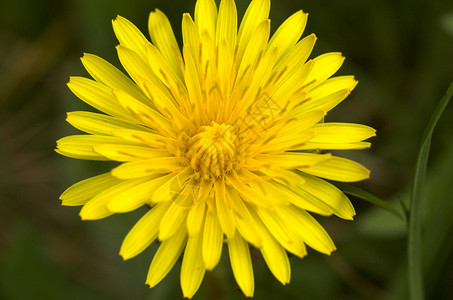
212, 151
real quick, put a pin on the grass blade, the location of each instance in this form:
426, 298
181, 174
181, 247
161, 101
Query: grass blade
358, 192
414, 245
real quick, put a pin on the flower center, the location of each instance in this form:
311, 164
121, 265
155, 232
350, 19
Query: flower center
212, 151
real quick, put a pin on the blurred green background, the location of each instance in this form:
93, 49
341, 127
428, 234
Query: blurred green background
400, 51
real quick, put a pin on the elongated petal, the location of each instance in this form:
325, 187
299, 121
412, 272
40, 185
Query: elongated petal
192, 269
292, 82
208, 65
195, 218
140, 168
191, 76
176, 214
246, 192
98, 123
96, 208
212, 240
104, 72
129, 36
144, 113
136, 196
227, 26
303, 122
334, 146
261, 74
296, 56
289, 32
191, 38
82, 146
339, 169
166, 256
292, 160
341, 133
276, 258
274, 189
206, 16
144, 76
98, 96
268, 191
139, 70
241, 264
285, 235
125, 152
329, 194
144, 232
293, 140
170, 190
312, 233
82, 191
293, 69
225, 69
149, 137
325, 103
163, 70
332, 86
325, 66
174, 217
255, 48
163, 100
257, 11
308, 201
285, 177
224, 212
164, 39
244, 221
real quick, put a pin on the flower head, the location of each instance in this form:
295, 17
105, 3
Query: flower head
222, 141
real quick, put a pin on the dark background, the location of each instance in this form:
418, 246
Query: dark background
400, 51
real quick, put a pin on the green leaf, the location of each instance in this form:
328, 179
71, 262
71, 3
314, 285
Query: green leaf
437, 221
358, 192
414, 246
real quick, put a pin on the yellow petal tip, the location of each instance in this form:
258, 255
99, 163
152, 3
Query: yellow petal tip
83, 216
123, 256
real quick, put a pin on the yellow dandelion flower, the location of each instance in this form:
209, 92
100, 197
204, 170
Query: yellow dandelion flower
221, 140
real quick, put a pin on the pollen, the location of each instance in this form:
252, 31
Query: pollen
212, 151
